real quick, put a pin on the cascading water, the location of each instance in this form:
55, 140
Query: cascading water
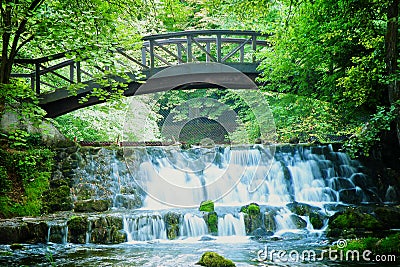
193, 226
57, 232
313, 176
229, 225
144, 227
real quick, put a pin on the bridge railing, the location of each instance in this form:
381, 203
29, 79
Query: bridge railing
157, 51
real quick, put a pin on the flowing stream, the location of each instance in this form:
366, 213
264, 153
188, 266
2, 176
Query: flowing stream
169, 230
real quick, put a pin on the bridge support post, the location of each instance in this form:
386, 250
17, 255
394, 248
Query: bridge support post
189, 48
218, 43
37, 78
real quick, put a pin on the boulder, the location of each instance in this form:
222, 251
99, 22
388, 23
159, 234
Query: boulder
207, 206
269, 221
77, 228
212, 259
92, 205
211, 219
317, 220
252, 217
389, 216
351, 196
299, 222
352, 223
172, 220
301, 209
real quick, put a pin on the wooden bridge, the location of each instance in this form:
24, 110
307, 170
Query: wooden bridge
51, 76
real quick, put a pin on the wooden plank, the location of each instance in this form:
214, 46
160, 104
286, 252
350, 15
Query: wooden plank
254, 41
198, 32
179, 51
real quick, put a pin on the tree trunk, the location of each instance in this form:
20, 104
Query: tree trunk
391, 57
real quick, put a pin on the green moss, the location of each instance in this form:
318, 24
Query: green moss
207, 206
212, 222
389, 245
172, 224
352, 218
77, 227
251, 209
5, 253
26, 177
57, 199
316, 220
212, 259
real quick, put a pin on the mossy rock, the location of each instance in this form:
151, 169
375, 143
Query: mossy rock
252, 217
17, 246
301, 209
172, 224
211, 220
317, 220
207, 206
298, 221
77, 227
57, 199
269, 221
251, 209
213, 259
390, 216
92, 205
352, 222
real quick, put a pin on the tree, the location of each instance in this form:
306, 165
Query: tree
391, 57
32, 28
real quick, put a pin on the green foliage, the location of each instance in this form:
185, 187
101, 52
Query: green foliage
309, 119
367, 135
27, 176
57, 199
20, 99
106, 122
332, 50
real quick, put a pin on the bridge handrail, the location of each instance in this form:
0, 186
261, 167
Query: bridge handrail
200, 32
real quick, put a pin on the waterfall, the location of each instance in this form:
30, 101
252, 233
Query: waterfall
284, 221
57, 232
144, 227
229, 225
271, 176
193, 226
316, 175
